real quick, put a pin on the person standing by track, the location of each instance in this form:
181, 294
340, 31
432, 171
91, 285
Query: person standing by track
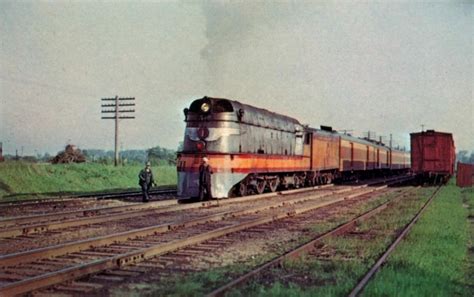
145, 180
205, 171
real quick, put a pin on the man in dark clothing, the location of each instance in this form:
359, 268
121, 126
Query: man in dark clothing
145, 180
205, 172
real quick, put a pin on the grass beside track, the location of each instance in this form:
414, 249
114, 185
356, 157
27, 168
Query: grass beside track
341, 261
21, 180
436, 258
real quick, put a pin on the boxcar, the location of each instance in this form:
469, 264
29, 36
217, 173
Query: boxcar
465, 175
432, 155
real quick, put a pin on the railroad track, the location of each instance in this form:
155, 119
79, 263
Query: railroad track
54, 206
50, 210
82, 228
24, 225
36, 224
32, 270
94, 195
373, 270
309, 248
189, 219
68, 202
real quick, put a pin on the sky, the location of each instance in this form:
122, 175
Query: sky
386, 67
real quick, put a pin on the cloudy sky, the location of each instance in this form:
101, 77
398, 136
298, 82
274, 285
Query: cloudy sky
387, 67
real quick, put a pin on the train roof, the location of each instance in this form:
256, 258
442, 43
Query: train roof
431, 132
221, 107
350, 138
226, 109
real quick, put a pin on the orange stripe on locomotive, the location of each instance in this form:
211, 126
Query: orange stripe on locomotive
244, 163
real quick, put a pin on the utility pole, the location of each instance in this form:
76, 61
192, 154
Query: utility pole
369, 134
422, 127
345, 131
117, 105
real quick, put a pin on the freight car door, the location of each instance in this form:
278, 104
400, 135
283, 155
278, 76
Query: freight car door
430, 155
308, 137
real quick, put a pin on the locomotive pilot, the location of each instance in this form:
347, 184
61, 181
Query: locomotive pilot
145, 180
205, 172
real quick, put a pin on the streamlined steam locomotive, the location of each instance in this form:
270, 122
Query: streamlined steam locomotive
252, 150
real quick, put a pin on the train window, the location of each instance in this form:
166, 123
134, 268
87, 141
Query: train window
222, 106
352, 154
307, 138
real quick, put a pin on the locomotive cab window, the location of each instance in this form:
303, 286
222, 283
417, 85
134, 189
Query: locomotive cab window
307, 138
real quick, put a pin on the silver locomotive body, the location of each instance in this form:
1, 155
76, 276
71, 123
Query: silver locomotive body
240, 140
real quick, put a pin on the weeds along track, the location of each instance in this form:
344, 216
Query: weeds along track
55, 205
321, 265
35, 269
364, 281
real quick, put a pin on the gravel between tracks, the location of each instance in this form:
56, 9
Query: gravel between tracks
251, 246
54, 237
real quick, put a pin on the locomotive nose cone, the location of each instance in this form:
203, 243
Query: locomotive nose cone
203, 132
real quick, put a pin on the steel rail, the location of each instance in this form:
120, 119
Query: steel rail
12, 226
21, 257
83, 217
91, 196
66, 274
79, 213
103, 196
363, 282
41, 227
302, 249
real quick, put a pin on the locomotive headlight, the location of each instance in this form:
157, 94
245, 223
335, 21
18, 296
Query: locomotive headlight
205, 107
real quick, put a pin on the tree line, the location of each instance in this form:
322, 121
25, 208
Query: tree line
465, 157
157, 155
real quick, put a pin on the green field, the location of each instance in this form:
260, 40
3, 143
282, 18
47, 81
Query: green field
21, 180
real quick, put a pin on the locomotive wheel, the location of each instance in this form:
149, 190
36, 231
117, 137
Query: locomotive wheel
324, 180
242, 189
273, 185
296, 182
329, 179
261, 186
